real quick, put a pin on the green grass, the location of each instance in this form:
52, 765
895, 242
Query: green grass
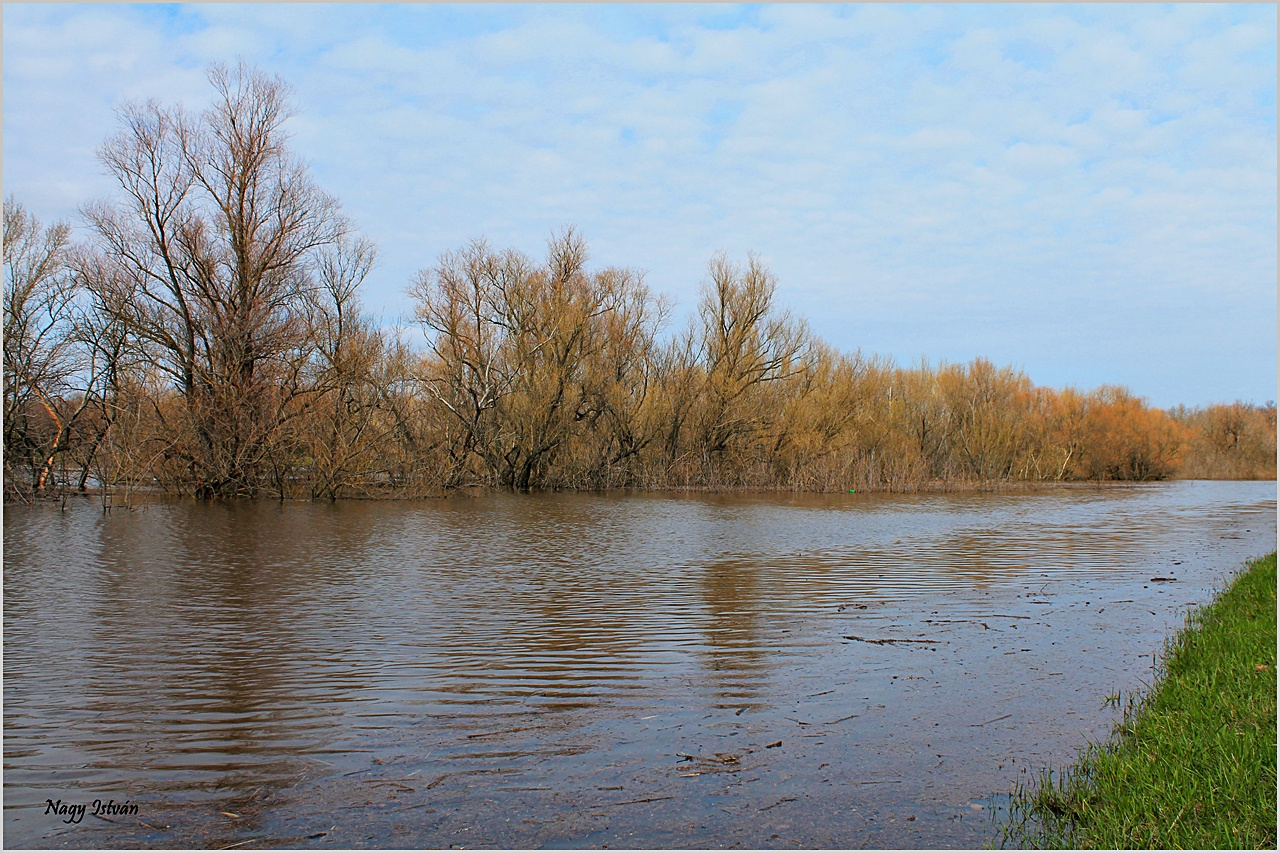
1193, 763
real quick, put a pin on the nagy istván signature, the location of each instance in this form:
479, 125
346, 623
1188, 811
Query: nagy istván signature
75, 812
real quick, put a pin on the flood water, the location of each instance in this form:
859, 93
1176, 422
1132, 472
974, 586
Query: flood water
572, 670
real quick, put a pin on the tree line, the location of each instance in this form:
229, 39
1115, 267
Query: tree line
208, 339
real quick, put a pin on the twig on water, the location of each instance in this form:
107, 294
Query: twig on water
443, 776
246, 841
380, 782
405, 809
505, 732
728, 759
996, 720
778, 803
631, 802
885, 640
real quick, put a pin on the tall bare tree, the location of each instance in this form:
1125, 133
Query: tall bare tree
746, 342
530, 359
461, 307
45, 368
214, 249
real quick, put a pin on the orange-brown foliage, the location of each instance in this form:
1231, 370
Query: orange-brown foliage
1236, 441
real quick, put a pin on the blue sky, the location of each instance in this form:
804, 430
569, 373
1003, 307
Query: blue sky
1086, 192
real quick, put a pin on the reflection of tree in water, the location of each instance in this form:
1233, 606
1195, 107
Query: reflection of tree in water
983, 557
226, 661
541, 612
547, 642
734, 653
974, 557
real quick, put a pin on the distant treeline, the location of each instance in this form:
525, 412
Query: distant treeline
209, 340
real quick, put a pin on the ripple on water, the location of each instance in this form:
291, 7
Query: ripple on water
185, 650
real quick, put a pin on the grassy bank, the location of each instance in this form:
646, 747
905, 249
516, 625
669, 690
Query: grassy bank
1193, 763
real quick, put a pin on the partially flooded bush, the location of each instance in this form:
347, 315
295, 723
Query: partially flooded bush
1235, 441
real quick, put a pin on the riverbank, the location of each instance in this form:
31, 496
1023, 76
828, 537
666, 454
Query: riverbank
1193, 763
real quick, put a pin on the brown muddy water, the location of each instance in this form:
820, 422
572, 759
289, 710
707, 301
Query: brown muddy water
569, 670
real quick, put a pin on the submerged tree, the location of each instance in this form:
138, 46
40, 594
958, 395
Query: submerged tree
213, 257
527, 357
746, 342
41, 359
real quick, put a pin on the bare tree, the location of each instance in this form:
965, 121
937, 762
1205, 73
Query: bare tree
344, 430
461, 308
988, 408
214, 250
531, 361
622, 378
554, 320
746, 342
44, 363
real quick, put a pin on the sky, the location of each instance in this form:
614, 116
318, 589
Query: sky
1084, 192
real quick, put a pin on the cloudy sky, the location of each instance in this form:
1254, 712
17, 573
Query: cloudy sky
1086, 192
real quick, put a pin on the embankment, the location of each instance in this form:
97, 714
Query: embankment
1193, 763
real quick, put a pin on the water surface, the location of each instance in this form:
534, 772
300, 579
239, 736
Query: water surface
585, 670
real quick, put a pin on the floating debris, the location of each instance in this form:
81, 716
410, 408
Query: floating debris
886, 640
